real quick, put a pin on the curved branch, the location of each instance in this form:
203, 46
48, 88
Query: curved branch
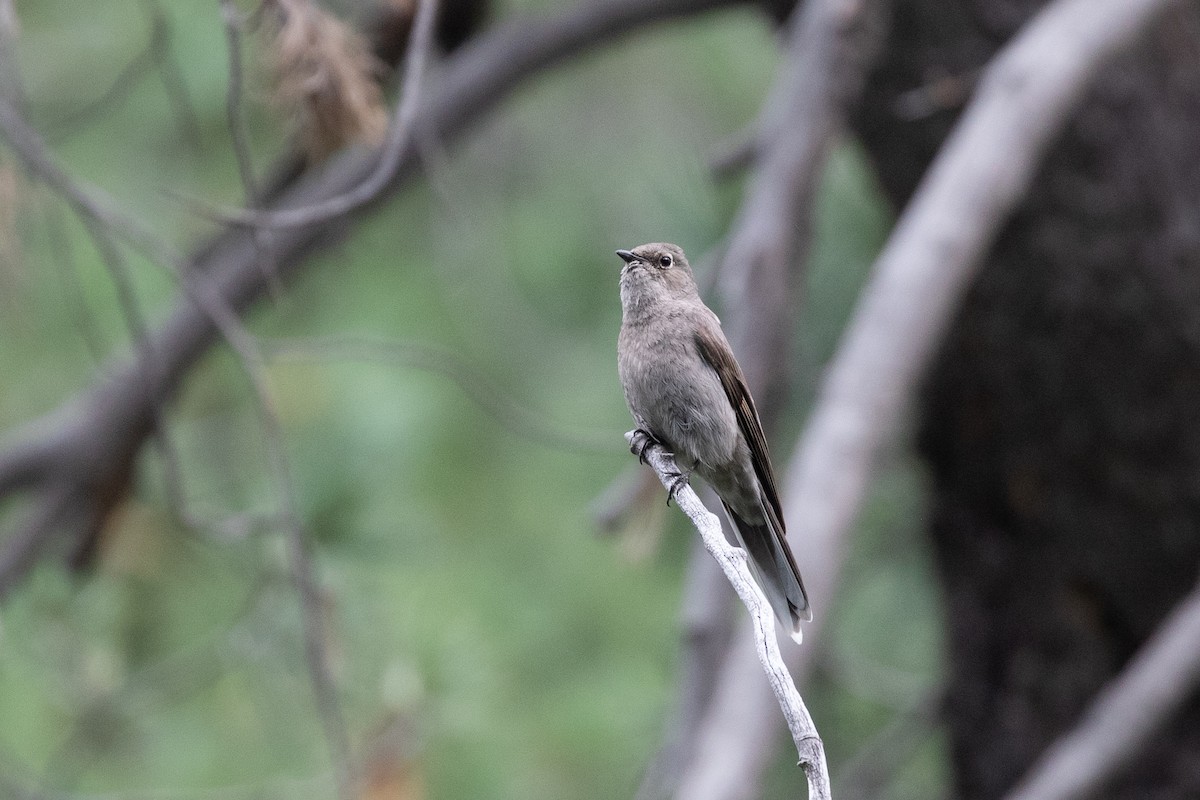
394, 146
1127, 712
733, 563
95, 429
1024, 99
831, 44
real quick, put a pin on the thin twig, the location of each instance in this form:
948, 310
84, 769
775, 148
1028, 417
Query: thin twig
58, 242
104, 221
156, 53
868, 772
232, 20
87, 201
395, 146
1131, 709
240, 138
93, 430
733, 563
515, 417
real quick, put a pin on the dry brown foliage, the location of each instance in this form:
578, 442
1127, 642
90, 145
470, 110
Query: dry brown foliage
324, 78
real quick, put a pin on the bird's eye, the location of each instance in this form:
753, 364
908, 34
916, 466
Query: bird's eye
664, 261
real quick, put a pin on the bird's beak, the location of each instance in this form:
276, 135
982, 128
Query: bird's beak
626, 256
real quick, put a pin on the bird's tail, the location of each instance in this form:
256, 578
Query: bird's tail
774, 567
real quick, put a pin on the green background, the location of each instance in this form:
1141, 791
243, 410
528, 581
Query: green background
468, 592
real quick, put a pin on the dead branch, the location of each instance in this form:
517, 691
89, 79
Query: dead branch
1024, 98
395, 145
1132, 708
89, 441
733, 563
831, 44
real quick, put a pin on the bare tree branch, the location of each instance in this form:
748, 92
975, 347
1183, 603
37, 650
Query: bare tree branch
399, 134
733, 563
1132, 708
91, 435
1024, 99
155, 54
831, 44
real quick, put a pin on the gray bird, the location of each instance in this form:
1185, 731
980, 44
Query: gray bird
687, 392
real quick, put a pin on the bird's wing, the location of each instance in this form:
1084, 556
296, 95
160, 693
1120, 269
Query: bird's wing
791, 600
716, 353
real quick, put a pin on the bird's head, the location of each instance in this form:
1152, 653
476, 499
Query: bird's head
655, 272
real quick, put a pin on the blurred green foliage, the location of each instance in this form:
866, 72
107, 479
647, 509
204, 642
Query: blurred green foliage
467, 591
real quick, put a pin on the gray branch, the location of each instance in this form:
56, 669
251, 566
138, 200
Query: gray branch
830, 46
1127, 712
1023, 100
733, 563
88, 443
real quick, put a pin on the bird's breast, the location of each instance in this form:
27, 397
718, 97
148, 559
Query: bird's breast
677, 395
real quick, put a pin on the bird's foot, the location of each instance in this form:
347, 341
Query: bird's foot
640, 441
678, 481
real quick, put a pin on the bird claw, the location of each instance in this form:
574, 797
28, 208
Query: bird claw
640, 442
678, 481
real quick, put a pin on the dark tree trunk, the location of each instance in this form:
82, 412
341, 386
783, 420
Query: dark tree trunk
1061, 421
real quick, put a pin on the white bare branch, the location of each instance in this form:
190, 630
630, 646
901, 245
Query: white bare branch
733, 563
